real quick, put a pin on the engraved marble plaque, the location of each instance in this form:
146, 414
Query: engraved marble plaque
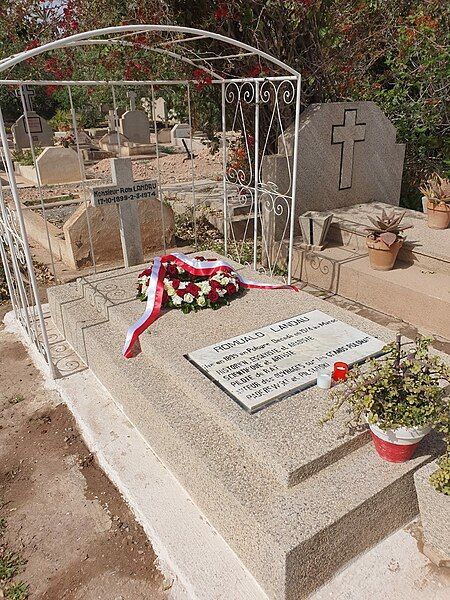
276, 361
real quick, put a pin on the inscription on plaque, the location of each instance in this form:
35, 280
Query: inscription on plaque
278, 360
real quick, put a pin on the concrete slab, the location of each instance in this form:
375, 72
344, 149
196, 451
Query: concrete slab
280, 489
190, 551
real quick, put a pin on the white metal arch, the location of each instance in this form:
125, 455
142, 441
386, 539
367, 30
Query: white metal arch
9, 62
241, 189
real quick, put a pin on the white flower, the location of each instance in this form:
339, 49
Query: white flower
221, 292
170, 290
204, 287
188, 298
176, 300
201, 300
225, 280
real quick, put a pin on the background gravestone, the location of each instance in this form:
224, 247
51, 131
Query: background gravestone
135, 126
347, 155
160, 110
41, 132
56, 164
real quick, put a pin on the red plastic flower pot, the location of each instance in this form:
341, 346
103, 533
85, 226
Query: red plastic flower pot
397, 445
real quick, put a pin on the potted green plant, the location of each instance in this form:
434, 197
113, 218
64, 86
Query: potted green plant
436, 192
400, 395
385, 239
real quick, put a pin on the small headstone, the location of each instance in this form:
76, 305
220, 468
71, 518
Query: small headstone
279, 360
164, 136
160, 110
57, 164
135, 126
125, 192
110, 141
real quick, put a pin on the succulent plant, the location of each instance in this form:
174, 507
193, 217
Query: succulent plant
387, 226
436, 189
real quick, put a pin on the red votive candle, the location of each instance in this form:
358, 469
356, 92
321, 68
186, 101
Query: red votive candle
340, 371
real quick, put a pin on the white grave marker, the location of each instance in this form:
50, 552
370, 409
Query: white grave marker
278, 360
125, 192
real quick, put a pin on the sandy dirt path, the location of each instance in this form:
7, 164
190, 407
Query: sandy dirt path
63, 515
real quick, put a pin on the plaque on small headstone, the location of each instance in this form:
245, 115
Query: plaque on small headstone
125, 192
276, 361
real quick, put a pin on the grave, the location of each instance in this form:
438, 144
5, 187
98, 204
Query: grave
40, 131
56, 164
164, 135
125, 193
178, 132
119, 145
295, 500
352, 157
421, 275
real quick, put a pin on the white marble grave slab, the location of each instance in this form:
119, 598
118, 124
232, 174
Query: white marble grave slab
278, 360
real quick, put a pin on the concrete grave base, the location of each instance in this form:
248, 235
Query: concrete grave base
294, 500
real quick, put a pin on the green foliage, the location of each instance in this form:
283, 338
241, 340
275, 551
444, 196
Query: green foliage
440, 479
25, 157
10, 565
402, 389
392, 52
17, 591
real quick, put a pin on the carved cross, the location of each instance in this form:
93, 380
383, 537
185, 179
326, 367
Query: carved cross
347, 135
28, 93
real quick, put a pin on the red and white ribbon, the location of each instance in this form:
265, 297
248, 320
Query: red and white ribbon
198, 268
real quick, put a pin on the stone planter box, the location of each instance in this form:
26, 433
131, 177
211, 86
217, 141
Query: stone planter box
434, 510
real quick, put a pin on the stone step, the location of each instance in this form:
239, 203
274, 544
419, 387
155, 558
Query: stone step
410, 292
424, 247
96, 300
291, 538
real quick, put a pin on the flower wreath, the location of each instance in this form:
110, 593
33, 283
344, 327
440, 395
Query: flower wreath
189, 292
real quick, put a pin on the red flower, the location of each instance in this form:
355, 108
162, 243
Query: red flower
165, 297
213, 295
215, 285
50, 90
181, 293
146, 272
175, 284
221, 12
193, 289
172, 270
231, 289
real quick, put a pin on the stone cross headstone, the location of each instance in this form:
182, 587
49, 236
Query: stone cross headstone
348, 155
125, 192
132, 98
